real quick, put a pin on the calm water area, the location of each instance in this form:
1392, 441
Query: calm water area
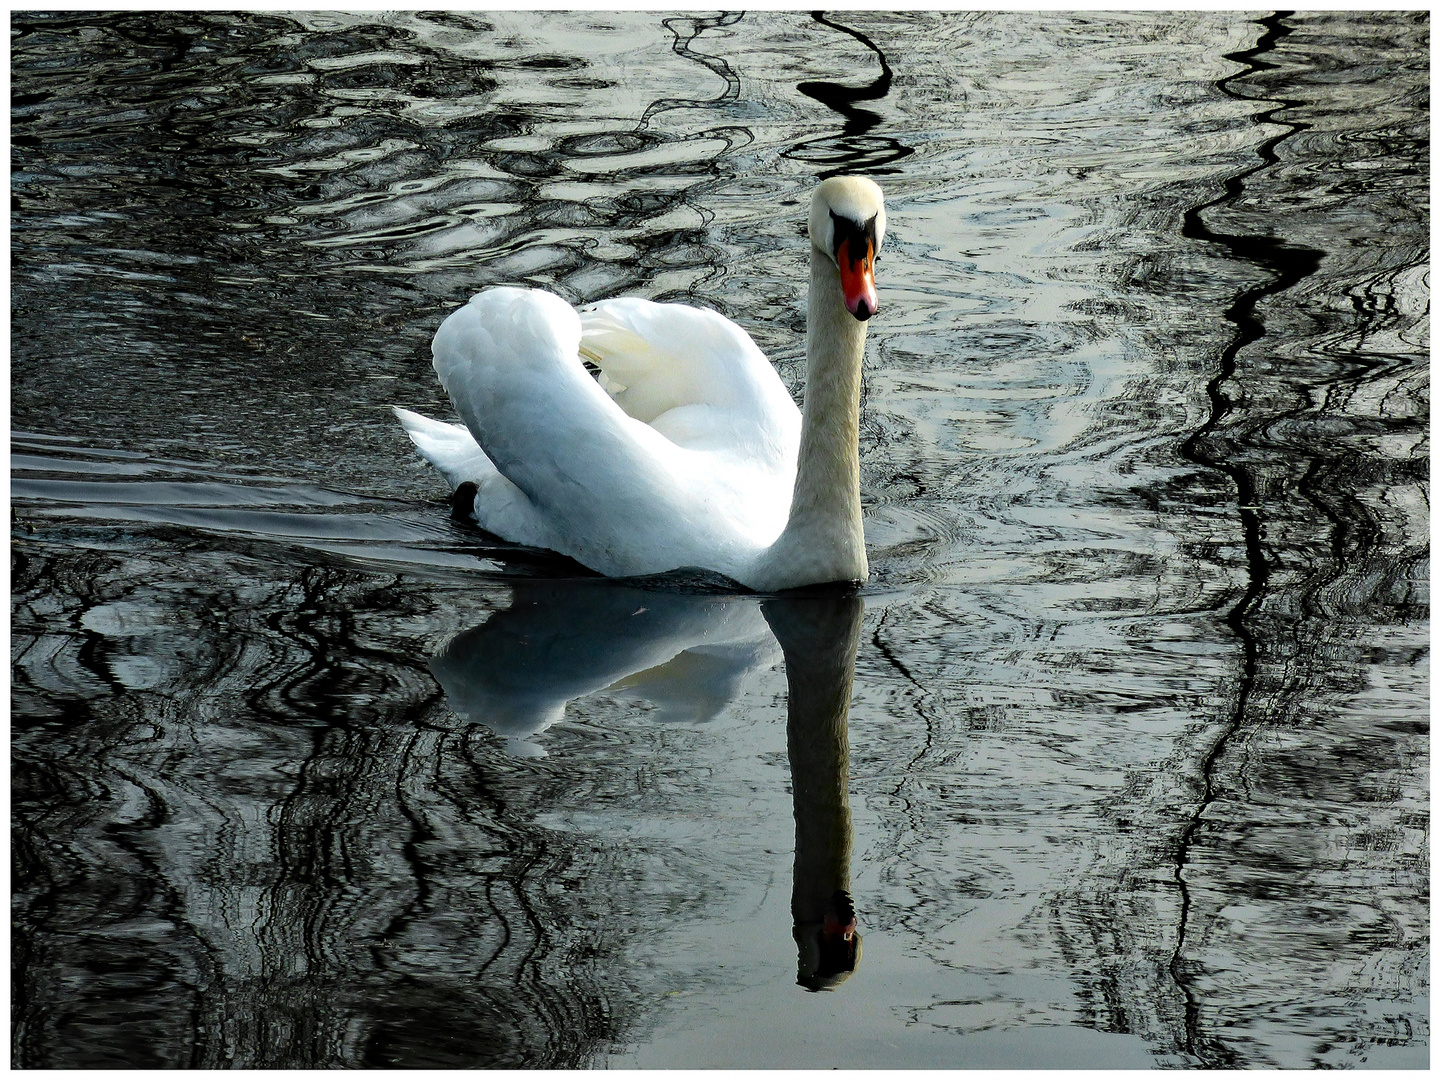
1120, 760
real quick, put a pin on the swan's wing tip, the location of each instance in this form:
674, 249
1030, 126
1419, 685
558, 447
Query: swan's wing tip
410, 421
449, 447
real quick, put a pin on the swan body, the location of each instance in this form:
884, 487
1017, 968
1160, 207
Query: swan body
686, 451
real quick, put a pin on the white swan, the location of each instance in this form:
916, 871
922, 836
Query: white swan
687, 451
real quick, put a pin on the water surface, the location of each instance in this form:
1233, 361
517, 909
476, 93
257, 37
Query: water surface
1120, 759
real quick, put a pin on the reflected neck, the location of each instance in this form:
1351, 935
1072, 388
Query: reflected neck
819, 635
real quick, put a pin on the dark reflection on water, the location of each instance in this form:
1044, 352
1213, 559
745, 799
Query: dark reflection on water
820, 636
558, 641
854, 150
1120, 760
1313, 497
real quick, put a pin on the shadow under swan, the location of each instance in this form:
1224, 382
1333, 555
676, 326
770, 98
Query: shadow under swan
689, 654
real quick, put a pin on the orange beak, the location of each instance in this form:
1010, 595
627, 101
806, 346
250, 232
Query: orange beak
833, 926
857, 278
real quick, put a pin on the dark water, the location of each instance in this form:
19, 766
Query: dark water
1135, 766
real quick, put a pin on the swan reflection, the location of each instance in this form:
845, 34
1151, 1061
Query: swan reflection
819, 635
688, 655
559, 640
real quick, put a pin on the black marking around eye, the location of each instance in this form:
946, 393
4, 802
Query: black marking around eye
846, 229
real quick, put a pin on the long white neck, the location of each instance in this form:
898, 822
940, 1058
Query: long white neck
824, 540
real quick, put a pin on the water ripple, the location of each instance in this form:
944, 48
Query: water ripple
1137, 754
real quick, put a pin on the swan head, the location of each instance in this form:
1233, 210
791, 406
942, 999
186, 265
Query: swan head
847, 224
829, 951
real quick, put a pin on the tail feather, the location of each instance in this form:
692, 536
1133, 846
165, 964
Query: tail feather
449, 447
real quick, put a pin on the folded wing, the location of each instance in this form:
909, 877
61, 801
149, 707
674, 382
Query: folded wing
693, 375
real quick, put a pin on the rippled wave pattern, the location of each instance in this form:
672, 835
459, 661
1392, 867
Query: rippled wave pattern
308, 775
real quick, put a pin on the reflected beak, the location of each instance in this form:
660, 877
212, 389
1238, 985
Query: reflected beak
857, 278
